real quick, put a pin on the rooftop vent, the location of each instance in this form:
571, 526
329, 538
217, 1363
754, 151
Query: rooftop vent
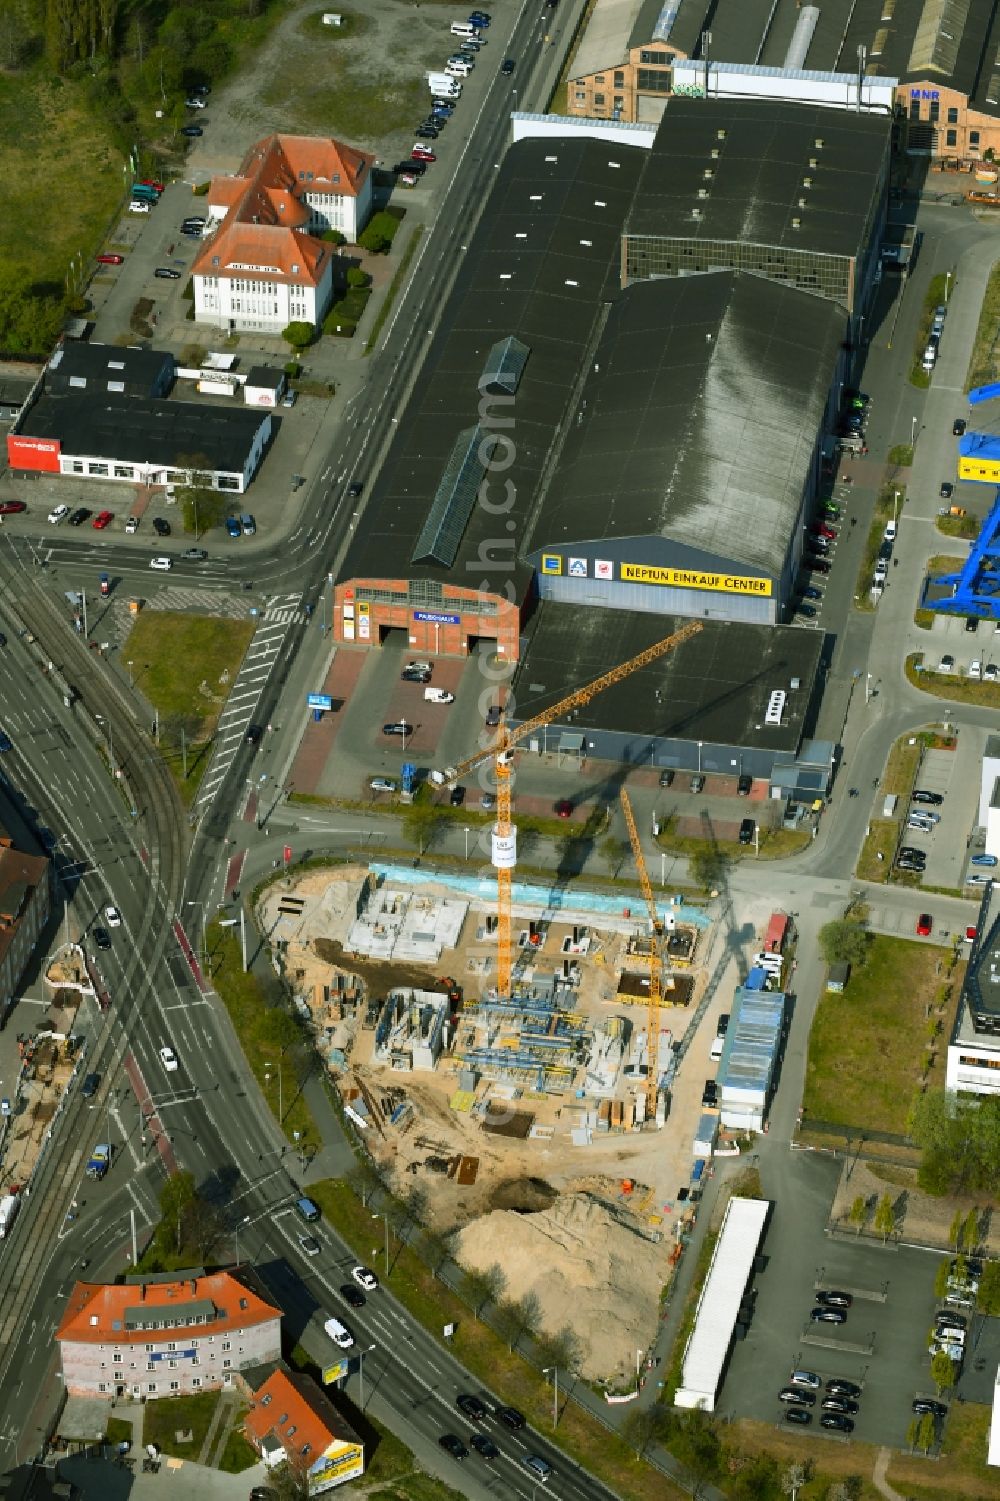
715, 153
807, 182
708, 174
702, 192
814, 161
796, 223
696, 214
795, 684
775, 707
720, 135
819, 143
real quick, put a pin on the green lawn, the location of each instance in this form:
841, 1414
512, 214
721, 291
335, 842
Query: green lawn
51, 134
237, 1455
983, 365
167, 1416
867, 1047
243, 999
962, 1469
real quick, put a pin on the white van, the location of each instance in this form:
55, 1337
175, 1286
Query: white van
438, 696
137, 206
339, 1333
463, 28
458, 70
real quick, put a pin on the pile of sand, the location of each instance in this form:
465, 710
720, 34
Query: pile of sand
588, 1273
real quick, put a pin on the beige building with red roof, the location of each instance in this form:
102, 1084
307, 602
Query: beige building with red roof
158, 1336
292, 1421
263, 264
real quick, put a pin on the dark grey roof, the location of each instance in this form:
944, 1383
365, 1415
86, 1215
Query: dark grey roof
954, 43
97, 365
770, 156
142, 431
265, 375
981, 991
541, 265
700, 423
713, 688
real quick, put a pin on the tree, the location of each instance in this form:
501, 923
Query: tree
955, 1231
707, 868
334, 237
374, 240
639, 1428
507, 1322
287, 1483
177, 1197
942, 1371
970, 1231
959, 1141
793, 1479
694, 1441
202, 506
434, 1250
299, 335
844, 941
859, 1212
912, 1434
614, 849
926, 1432
481, 1286
423, 823
941, 1279
848, 1489
560, 1348
988, 1296
885, 1217
363, 1180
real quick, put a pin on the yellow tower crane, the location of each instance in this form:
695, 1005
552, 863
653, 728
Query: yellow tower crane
501, 753
655, 960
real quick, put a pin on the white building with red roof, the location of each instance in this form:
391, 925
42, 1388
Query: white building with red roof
263, 264
157, 1336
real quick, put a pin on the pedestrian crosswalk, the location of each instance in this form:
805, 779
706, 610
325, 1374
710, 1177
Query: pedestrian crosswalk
280, 613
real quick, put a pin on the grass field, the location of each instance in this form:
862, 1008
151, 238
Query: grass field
950, 685
165, 1418
184, 665
868, 1046
237, 1455
898, 778
243, 999
51, 135
962, 1469
984, 363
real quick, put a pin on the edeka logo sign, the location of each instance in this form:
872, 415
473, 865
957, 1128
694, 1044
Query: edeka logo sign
552, 562
686, 578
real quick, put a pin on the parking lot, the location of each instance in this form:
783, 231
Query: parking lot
882, 1347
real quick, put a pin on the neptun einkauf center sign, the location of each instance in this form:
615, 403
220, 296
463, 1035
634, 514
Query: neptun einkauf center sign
687, 578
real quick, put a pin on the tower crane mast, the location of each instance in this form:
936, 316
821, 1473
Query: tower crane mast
655, 960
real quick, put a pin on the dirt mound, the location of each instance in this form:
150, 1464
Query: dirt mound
523, 1195
379, 975
588, 1272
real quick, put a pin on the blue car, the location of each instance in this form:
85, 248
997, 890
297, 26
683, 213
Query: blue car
983, 860
479, 18
233, 526
6, 743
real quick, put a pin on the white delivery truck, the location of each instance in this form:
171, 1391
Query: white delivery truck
438, 696
445, 85
9, 1206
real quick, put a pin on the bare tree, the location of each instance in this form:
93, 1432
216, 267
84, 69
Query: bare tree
484, 1286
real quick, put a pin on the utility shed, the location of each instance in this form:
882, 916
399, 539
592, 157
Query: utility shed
715, 1317
749, 1057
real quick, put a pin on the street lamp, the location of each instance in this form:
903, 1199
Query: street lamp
109, 733
555, 1391
244, 1221
131, 680
913, 431
361, 1372
468, 831
385, 1220
700, 744
203, 947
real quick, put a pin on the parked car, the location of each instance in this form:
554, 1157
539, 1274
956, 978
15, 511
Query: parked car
827, 1316
947, 490
921, 795
383, 784
958, 429
79, 516
798, 1415
834, 1299
972, 624
744, 784
837, 1421
697, 782
101, 520
988, 860
398, 727
796, 1394
817, 565
563, 808
748, 829
12, 507
710, 1094
811, 592
167, 273
839, 1404
110, 260
192, 130
927, 1405
924, 924
667, 778
839, 1388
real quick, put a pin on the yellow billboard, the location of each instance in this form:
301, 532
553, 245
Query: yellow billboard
690, 578
340, 1462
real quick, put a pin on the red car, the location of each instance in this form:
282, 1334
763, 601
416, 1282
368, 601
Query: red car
422, 154
110, 260
12, 508
150, 182
924, 924
820, 529
970, 934
101, 520
564, 808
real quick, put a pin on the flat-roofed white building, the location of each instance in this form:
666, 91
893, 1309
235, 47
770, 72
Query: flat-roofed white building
728, 1278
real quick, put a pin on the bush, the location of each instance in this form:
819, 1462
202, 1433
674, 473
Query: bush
200, 190
358, 278
292, 369
380, 233
334, 237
